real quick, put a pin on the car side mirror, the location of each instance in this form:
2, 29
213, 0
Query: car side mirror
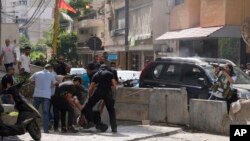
201, 82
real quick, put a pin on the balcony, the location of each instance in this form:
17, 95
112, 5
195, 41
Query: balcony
90, 23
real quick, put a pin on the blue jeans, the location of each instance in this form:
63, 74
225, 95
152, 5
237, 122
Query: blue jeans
45, 107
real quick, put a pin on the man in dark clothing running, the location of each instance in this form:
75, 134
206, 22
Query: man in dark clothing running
101, 87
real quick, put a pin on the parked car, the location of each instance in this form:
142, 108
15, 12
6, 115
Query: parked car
128, 78
77, 71
195, 74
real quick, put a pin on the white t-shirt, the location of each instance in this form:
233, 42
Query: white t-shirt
17, 51
8, 54
25, 63
44, 80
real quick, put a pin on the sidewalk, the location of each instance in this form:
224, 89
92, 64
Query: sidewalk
128, 133
125, 133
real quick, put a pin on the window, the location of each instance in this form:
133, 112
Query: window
157, 70
120, 18
192, 75
177, 2
83, 31
172, 72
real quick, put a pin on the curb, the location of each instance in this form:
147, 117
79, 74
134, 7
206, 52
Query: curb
159, 135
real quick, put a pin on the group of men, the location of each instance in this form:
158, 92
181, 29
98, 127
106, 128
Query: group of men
10, 55
53, 88
70, 92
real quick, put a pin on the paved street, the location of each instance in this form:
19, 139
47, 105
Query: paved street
128, 132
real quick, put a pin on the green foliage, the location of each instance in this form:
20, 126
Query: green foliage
48, 38
229, 49
67, 46
24, 41
37, 55
80, 6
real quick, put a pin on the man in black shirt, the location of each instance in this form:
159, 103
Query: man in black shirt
65, 99
101, 87
8, 81
61, 68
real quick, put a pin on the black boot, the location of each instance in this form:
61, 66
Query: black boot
101, 126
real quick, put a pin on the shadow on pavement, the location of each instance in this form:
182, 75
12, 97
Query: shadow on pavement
10, 138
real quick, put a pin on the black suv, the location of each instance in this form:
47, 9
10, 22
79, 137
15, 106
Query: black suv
196, 74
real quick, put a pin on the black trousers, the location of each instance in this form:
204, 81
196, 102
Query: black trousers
70, 111
230, 100
63, 109
92, 116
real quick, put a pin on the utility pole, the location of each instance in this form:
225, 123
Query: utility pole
56, 26
126, 30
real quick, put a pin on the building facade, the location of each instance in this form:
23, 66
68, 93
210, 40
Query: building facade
89, 26
209, 28
143, 28
22, 12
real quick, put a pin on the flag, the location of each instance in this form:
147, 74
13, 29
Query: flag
64, 5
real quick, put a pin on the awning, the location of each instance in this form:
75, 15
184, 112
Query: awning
199, 32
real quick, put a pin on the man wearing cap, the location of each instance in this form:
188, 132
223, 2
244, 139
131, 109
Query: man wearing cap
43, 80
101, 87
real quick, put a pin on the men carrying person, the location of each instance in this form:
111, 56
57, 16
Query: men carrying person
65, 101
8, 54
101, 87
43, 81
8, 81
24, 63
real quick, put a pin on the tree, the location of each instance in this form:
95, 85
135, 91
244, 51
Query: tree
67, 46
24, 41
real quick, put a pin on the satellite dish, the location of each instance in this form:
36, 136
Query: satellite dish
245, 31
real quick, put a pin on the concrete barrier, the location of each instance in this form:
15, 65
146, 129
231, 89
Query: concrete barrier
157, 105
206, 115
212, 116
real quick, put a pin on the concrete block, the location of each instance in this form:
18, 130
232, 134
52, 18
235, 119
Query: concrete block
207, 115
157, 105
6, 118
177, 108
134, 112
133, 95
8, 107
169, 105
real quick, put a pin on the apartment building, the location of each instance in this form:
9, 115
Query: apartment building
22, 11
209, 28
